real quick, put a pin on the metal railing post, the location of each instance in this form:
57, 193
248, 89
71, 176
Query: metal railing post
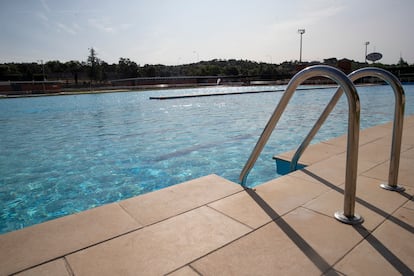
397, 131
348, 215
397, 127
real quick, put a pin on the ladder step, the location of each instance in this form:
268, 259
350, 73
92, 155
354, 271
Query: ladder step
283, 166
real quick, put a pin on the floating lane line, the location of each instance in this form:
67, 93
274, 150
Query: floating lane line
230, 93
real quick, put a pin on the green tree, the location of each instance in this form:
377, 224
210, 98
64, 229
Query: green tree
95, 70
127, 68
402, 63
30, 71
55, 66
231, 70
74, 67
10, 72
149, 71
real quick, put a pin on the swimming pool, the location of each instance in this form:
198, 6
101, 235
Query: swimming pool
61, 155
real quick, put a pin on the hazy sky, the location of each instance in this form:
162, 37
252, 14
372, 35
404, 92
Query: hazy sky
186, 31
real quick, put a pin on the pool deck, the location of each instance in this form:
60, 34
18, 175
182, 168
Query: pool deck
211, 226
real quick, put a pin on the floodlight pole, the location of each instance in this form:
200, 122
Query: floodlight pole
198, 56
43, 75
301, 32
366, 50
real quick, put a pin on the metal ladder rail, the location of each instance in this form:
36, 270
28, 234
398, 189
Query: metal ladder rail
397, 125
348, 215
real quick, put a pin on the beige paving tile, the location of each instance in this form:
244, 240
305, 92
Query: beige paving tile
373, 203
275, 249
57, 267
380, 132
410, 204
405, 215
397, 235
269, 200
315, 153
371, 134
409, 121
374, 152
176, 199
185, 271
322, 233
160, 248
332, 170
365, 136
386, 142
365, 260
405, 173
388, 125
407, 139
409, 153
340, 141
329, 203
37, 244
287, 193
306, 175
334, 174
369, 192
388, 251
243, 208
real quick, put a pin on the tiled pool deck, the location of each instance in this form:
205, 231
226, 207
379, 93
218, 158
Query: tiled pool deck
211, 226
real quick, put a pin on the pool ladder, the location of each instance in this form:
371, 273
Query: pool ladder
346, 85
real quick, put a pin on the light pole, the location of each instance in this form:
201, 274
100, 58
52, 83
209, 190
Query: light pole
43, 73
270, 58
366, 48
301, 32
198, 56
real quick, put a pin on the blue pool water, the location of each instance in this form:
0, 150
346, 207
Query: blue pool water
61, 155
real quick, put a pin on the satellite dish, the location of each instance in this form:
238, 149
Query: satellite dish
374, 56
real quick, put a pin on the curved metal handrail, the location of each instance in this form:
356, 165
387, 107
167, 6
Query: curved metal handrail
348, 215
397, 128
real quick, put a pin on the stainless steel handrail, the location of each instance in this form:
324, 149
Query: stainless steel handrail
348, 215
397, 127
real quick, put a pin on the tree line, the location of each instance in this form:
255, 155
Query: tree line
97, 70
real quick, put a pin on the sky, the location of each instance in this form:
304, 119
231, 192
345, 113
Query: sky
174, 32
